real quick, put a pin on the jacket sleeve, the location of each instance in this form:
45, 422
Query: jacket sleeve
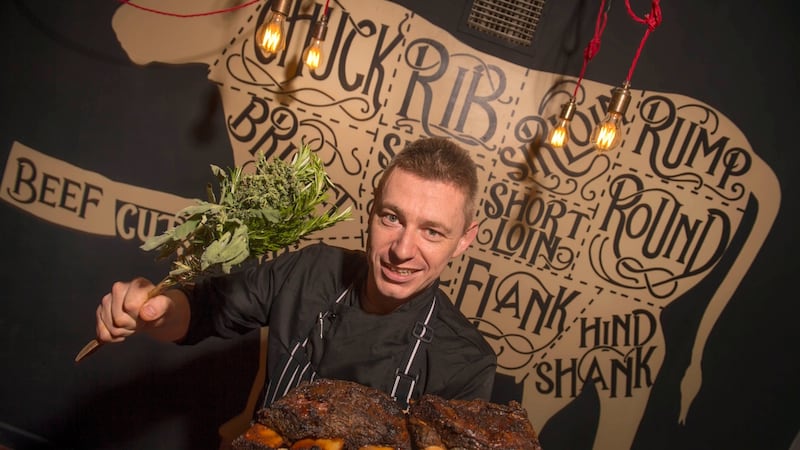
230, 305
285, 288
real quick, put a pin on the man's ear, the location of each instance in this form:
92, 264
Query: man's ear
466, 239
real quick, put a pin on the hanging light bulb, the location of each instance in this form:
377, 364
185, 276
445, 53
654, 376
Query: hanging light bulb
271, 36
608, 133
312, 55
559, 136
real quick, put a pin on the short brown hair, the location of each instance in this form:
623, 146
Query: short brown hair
439, 159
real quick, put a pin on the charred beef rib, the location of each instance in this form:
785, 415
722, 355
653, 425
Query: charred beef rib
342, 415
333, 413
435, 423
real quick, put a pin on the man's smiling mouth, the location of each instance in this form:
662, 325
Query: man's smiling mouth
398, 270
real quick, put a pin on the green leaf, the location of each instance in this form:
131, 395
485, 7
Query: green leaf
185, 229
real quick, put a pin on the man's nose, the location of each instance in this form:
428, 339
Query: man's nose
404, 246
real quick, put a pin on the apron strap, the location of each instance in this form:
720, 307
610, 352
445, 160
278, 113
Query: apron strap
295, 367
405, 380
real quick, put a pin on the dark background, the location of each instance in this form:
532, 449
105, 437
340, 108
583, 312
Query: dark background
69, 91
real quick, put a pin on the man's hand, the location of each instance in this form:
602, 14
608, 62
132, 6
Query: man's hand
129, 308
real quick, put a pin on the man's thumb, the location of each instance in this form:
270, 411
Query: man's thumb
154, 308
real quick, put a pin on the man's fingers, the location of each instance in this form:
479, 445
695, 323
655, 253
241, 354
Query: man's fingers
122, 310
105, 330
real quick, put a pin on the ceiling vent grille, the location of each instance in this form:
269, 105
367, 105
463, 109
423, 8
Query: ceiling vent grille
511, 20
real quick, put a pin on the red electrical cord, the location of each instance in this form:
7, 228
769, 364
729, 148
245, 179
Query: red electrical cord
652, 20
594, 45
207, 13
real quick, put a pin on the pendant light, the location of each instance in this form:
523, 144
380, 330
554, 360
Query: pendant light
313, 55
271, 35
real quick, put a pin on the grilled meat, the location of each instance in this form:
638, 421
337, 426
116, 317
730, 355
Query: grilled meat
471, 424
343, 415
334, 410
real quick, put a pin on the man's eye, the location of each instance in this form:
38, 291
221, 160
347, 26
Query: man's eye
433, 234
390, 218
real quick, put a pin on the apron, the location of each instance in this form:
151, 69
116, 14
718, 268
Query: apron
296, 367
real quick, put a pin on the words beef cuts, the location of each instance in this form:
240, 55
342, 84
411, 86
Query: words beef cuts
342, 415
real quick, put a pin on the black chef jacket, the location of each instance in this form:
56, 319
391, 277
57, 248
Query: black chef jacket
295, 295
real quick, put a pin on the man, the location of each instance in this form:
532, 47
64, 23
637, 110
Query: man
374, 317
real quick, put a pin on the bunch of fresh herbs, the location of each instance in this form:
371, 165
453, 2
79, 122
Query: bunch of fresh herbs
268, 210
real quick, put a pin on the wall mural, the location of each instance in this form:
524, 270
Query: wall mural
581, 255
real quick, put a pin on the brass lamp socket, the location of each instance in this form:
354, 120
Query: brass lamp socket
320, 28
568, 110
281, 6
620, 99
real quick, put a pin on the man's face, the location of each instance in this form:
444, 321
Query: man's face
415, 228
